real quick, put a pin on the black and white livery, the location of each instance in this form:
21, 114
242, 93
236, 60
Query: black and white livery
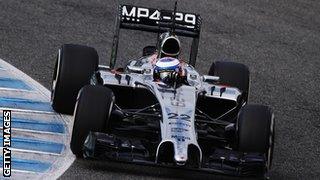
158, 110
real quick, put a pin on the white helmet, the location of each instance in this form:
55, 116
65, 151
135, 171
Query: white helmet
166, 68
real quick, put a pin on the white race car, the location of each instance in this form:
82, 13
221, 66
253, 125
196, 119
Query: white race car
159, 109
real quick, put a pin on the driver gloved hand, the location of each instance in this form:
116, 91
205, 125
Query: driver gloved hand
175, 76
172, 78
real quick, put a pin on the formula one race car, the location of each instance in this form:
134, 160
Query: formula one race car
159, 110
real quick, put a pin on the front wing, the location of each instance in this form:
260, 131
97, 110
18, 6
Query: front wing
104, 146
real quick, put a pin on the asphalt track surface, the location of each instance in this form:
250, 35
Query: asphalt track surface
278, 39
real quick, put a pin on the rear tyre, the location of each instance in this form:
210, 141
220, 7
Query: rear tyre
255, 130
74, 68
92, 113
232, 74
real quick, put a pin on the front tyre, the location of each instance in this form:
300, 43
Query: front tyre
92, 113
255, 131
75, 65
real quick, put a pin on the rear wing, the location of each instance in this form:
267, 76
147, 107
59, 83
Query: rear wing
157, 21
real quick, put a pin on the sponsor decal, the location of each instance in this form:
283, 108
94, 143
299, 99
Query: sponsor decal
6, 138
187, 125
181, 138
177, 100
184, 117
132, 13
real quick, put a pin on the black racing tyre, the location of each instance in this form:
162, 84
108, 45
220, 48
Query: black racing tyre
256, 130
92, 113
232, 74
74, 68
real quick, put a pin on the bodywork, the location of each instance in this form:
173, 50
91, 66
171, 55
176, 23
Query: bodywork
176, 132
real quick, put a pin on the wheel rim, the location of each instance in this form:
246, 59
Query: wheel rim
271, 143
55, 76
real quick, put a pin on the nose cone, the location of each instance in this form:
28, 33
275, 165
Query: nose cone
180, 159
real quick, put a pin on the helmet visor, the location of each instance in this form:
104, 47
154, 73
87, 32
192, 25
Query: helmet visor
164, 74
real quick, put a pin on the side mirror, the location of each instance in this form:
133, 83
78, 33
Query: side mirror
134, 69
210, 79
102, 67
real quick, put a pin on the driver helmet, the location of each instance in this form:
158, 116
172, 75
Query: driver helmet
169, 45
165, 68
